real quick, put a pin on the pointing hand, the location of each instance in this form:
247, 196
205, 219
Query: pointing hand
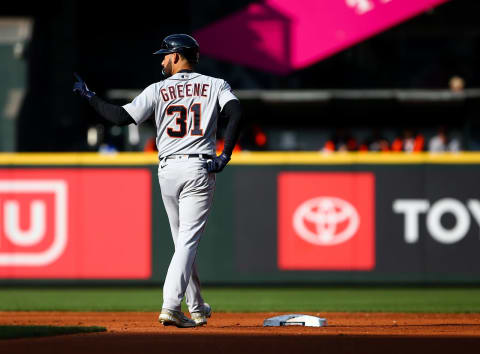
81, 88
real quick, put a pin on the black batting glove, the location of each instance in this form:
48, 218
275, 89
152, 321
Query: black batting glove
80, 87
218, 163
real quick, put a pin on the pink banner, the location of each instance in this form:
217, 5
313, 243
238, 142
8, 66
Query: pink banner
284, 35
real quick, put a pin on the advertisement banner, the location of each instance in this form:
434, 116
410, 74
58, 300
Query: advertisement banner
326, 221
75, 223
417, 223
428, 220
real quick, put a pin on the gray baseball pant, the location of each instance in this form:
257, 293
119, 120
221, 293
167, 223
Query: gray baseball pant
187, 192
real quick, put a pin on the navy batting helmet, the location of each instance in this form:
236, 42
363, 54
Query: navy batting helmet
180, 43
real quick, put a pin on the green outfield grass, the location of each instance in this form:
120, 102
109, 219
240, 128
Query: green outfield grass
11, 332
248, 299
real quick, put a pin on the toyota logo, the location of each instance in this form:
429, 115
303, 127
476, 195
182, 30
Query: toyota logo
326, 221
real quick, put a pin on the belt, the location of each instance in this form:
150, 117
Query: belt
186, 156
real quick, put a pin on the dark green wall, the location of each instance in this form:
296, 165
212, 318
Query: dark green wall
240, 242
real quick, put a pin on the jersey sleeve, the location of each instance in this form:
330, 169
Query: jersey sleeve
225, 94
142, 106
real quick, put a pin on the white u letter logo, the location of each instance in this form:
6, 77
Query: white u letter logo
36, 231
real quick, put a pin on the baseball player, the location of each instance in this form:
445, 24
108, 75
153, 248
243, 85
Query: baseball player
186, 106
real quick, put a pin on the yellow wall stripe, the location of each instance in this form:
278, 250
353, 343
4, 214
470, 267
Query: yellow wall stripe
86, 158
245, 158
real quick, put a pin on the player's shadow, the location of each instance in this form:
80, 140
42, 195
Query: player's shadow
282, 340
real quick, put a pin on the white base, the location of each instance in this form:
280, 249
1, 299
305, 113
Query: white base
295, 320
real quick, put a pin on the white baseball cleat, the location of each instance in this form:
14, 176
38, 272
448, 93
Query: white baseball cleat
175, 318
200, 317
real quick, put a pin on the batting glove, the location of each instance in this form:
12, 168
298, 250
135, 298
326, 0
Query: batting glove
81, 88
218, 163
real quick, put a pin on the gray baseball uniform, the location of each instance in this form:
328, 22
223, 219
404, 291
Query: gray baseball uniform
186, 108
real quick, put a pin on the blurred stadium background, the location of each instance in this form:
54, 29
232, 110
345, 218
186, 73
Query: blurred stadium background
416, 75
329, 90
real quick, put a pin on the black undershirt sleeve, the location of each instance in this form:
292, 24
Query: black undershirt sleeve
112, 113
233, 112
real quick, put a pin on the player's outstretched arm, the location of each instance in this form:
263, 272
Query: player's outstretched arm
233, 112
112, 113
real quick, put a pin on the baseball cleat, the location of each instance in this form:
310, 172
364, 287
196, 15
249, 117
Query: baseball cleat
200, 317
175, 318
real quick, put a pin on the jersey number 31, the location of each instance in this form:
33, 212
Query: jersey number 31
181, 120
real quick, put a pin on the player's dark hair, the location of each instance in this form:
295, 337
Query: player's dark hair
192, 60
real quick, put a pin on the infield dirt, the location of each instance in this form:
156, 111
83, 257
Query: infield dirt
139, 332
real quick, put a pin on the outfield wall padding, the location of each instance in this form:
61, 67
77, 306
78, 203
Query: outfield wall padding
293, 218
